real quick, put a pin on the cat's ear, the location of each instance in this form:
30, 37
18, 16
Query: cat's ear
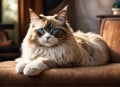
33, 16
62, 15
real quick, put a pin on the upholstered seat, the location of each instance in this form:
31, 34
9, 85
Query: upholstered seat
100, 75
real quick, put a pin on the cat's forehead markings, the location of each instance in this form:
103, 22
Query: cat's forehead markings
48, 17
48, 24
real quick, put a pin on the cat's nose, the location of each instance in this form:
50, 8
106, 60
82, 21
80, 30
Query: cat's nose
48, 37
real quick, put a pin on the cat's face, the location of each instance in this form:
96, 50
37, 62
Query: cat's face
49, 30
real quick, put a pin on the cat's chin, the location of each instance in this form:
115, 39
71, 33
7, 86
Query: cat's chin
48, 44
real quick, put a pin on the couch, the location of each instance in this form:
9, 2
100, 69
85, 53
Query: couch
106, 75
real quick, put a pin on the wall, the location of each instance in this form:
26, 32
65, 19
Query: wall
86, 11
49, 5
82, 13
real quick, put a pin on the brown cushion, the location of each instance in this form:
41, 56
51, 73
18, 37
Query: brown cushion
110, 31
102, 75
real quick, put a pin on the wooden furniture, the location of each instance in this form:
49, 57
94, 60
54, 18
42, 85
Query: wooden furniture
4, 39
110, 31
8, 51
6, 26
108, 16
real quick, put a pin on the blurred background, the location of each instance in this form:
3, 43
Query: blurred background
14, 17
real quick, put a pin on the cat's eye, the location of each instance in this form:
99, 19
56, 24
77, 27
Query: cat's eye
41, 30
54, 30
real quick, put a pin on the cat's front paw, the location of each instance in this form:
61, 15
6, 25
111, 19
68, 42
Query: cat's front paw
20, 66
31, 70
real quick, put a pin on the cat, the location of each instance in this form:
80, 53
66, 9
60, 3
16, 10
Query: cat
50, 43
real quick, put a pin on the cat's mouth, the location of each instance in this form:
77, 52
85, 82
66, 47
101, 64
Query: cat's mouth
47, 41
49, 44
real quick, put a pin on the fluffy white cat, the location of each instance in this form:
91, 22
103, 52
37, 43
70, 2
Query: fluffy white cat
51, 43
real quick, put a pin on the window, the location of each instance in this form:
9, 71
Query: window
10, 15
